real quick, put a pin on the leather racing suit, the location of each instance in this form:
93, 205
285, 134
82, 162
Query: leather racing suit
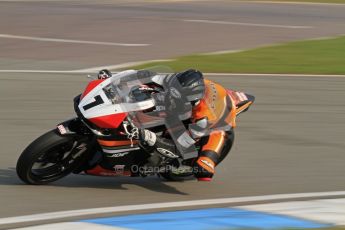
213, 119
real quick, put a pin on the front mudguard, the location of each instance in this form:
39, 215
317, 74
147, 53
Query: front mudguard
73, 126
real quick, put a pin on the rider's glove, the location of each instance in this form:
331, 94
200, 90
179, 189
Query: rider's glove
151, 142
149, 138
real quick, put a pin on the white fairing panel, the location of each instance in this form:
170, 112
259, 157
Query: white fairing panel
99, 103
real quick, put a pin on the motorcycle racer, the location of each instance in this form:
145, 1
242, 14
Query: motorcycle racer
139, 123
211, 125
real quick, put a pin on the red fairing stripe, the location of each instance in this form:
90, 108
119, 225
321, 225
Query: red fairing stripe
91, 86
109, 121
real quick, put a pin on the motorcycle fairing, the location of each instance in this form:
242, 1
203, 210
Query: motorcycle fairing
107, 103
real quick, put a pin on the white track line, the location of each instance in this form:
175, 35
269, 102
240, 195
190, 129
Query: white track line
246, 24
151, 206
72, 226
120, 66
222, 52
274, 75
39, 71
293, 3
96, 69
69, 40
86, 70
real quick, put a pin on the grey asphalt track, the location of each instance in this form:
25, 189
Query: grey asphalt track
292, 140
160, 24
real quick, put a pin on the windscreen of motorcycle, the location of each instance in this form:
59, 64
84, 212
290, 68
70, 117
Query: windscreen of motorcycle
107, 102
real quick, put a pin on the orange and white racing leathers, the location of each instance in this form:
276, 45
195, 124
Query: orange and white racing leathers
214, 119
211, 130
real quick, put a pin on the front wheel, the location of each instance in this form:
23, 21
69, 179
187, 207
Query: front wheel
51, 157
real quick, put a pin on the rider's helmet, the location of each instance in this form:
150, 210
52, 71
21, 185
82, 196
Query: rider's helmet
189, 85
104, 74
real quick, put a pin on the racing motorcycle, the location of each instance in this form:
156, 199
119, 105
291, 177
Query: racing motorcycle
102, 139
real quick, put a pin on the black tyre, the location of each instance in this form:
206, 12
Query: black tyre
51, 157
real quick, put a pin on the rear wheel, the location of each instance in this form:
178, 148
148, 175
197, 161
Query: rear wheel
51, 157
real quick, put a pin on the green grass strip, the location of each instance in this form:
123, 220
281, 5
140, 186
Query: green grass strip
315, 1
303, 57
